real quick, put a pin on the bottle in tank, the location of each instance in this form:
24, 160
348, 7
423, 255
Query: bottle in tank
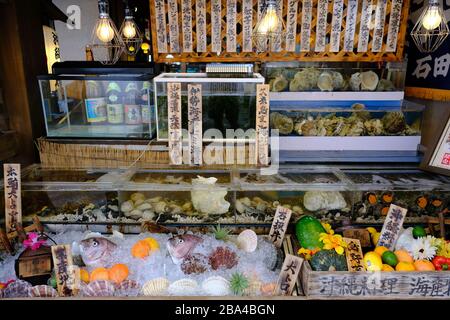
132, 102
95, 103
115, 103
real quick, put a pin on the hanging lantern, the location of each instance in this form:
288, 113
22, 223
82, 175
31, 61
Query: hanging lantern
130, 33
431, 28
106, 43
269, 31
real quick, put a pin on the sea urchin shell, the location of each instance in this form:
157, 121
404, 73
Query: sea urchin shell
222, 258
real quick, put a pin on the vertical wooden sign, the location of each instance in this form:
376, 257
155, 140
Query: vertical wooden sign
321, 28
364, 26
262, 124
174, 119
216, 26
394, 25
279, 225
247, 25
174, 34
67, 275
276, 44
350, 25
392, 226
13, 196
288, 275
195, 123
336, 25
378, 32
160, 14
291, 25
200, 17
231, 25
186, 24
354, 255
306, 25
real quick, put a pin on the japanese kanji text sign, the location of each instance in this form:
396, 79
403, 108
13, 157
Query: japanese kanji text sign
441, 154
195, 123
13, 196
354, 255
288, 275
361, 234
262, 124
67, 275
392, 226
174, 118
279, 225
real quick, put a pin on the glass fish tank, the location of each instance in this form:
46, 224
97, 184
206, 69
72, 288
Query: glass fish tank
228, 101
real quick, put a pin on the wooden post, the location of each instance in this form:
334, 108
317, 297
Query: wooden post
5, 242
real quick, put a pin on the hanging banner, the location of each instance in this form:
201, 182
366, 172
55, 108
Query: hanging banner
160, 15
378, 32
231, 25
13, 196
279, 225
186, 24
66, 274
394, 25
174, 35
288, 275
216, 26
247, 25
321, 28
350, 25
291, 25
364, 27
200, 18
262, 124
276, 44
174, 119
306, 25
195, 123
336, 25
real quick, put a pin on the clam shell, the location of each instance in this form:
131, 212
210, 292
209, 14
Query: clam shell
369, 80
42, 291
183, 287
137, 196
127, 288
99, 288
155, 287
338, 80
355, 81
247, 240
17, 289
216, 286
135, 214
144, 206
325, 81
127, 206
148, 215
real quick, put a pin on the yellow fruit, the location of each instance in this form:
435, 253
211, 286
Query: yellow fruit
371, 230
154, 245
403, 256
372, 261
405, 266
424, 265
84, 275
380, 250
375, 238
387, 267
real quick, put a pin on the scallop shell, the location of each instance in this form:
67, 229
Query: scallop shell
127, 206
369, 80
216, 286
127, 288
355, 81
137, 196
247, 240
338, 80
253, 289
183, 287
99, 288
135, 214
148, 215
17, 289
155, 287
144, 206
325, 81
42, 291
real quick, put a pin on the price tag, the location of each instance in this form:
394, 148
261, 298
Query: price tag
336, 25
364, 27
174, 119
231, 25
160, 13
216, 26
306, 25
195, 123
262, 124
247, 24
291, 25
361, 234
321, 28
288, 275
186, 24
392, 226
394, 25
354, 255
279, 225
350, 25
378, 32
200, 11
67, 275
174, 40
13, 196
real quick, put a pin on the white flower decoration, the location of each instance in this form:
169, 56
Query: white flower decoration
423, 248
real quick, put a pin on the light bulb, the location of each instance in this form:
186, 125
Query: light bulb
104, 32
129, 29
432, 18
269, 23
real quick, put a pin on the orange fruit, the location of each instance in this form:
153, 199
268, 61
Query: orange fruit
405, 266
141, 249
84, 275
118, 273
387, 267
154, 245
403, 256
380, 250
99, 274
424, 265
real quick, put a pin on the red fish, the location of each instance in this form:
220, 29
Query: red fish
182, 246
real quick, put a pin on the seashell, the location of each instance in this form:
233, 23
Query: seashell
160, 207
216, 286
187, 206
369, 80
137, 196
154, 200
325, 81
355, 81
222, 258
338, 80
17, 289
99, 288
268, 289
280, 84
42, 291
148, 215
261, 207
127, 206
144, 206
254, 288
196, 263
138, 202
183, 287
174, 209
385, 85
155, 287
127, 288
134, 214
247, 240
240, 207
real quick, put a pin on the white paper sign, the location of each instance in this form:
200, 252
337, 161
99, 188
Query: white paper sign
378, 32
174, 123
276, 44
306, 25
200, 20
350, 25
216, 26
161, 38
195, 123
186, 24
321, 28
231, 25
441, 154
174, 34
364, 27
394, 25
291, 25
247, 25
336, 25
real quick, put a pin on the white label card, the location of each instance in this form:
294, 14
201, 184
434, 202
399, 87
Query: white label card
336, 25
394, 25
262, 123
174, 34
321, 28
364, 28
392, 226
350, 25
378, 32
160, 13
195, 123
174, 119
186, 24
291, 25
306, 25
216, 26
231, 25
247, 25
